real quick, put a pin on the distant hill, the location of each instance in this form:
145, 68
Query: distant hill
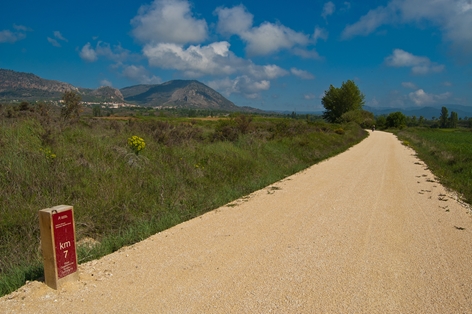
102, 94
27, 86
178, 93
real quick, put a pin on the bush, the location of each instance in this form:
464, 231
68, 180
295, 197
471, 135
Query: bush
396, 120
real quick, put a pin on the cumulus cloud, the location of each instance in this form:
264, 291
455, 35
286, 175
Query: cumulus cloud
213, 59
302, 74
168, 21
116, 53
453, 17
419, 65
236, 20
420, 97
265, 39
244, 85
269, 38
194, 61
88, 54
328, 9
140, 74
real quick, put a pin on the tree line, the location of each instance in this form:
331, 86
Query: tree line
344, 104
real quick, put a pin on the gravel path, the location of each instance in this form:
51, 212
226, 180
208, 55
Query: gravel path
368, 231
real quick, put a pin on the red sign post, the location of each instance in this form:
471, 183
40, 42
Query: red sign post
58, 245
64, 242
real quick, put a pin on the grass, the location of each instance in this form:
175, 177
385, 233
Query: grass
447, 152
186, 169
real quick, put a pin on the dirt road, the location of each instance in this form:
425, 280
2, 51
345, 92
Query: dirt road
368, 231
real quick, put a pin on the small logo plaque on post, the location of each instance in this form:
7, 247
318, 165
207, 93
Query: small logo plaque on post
58, 245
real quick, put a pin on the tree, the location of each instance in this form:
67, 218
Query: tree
364, 118
381, 123
421, 121
96, 111
443, 118
396, 120
338, 101
72, 107
453, 120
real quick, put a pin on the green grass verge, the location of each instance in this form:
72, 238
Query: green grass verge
448, 154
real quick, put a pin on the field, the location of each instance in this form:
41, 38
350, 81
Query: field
121, 196
447, 152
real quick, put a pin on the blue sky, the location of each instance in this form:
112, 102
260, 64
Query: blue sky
266, 54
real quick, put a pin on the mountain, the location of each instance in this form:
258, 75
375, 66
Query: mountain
192, 94
178, 93
27, 86
102, 94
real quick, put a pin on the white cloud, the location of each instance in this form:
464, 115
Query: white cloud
168, 21
306, 54
105, 82
302, 74
88, 54
244, 85
53, 42
236, 20
420, 97
213, 59
370, 22
7, 36
115, 53
309, 96
141, 75
265, 39
195, 61
59, 36
419, 65
409, 85
320, 33
453, 17
22, 28
446, 83
269, 38
328, 9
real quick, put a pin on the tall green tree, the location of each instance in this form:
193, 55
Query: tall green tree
338, 101
443, 118
453, 120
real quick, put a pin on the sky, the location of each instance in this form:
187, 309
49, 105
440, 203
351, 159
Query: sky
271, 55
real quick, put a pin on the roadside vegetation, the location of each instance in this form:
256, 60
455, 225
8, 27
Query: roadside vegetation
130, 178
444, 144
447, 152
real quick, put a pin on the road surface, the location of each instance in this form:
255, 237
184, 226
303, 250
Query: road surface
368, 231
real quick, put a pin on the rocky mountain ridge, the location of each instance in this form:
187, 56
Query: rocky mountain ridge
176, 94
